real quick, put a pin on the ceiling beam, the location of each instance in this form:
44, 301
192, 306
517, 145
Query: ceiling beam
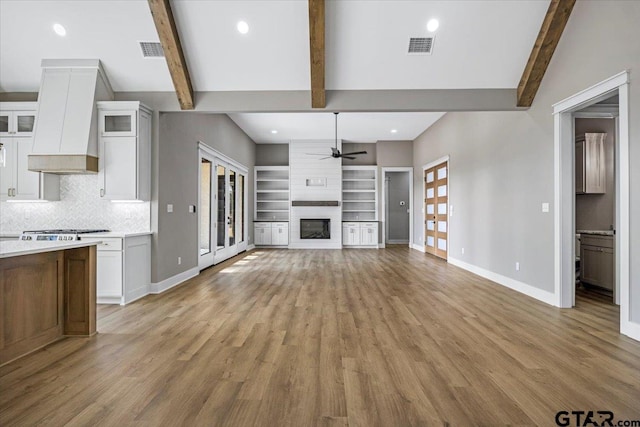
548, 38
316, 45
168, 33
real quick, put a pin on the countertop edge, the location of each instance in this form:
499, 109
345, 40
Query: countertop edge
23, 248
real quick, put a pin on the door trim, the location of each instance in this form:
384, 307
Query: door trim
444, 159
384, 201
564, 218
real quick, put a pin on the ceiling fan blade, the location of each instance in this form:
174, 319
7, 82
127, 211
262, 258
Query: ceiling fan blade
329, 157
347, 157
355, 152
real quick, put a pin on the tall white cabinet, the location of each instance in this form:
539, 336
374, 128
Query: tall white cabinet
17, 182
360, 206
124, 165
272, 202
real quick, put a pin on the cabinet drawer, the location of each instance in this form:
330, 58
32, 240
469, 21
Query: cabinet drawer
106, 243
596, 240
370, 224
262, 224
280, 224
351, 224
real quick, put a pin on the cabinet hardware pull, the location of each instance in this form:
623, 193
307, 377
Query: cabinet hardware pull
102, 192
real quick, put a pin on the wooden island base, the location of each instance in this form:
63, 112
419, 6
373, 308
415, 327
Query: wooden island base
44, 297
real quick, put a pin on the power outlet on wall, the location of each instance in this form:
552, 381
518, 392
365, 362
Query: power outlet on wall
179, 260
462, 251
517, 266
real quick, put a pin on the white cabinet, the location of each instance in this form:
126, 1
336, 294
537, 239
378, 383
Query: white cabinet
360, 234
280, 233
262, 233
271, 233
17, 118
124, 165
590, 163
597, 265
123, 268
17, 182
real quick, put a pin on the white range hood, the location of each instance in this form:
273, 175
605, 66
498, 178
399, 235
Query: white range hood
66, 129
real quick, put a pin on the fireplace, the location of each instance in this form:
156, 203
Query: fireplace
316, 228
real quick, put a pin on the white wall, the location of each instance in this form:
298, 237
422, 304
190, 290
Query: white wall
501, 163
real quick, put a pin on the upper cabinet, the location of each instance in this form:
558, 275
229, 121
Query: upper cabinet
17, 122
124, 165
590, 163
17, 182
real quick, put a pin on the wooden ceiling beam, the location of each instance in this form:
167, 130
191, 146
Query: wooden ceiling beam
552, 27
316, 45
168, 33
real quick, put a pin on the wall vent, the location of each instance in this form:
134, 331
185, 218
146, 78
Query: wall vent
420, 45
152, 50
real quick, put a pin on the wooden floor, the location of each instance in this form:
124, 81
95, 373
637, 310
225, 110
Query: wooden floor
331, 338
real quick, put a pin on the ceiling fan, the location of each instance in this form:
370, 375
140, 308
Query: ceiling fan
335, 153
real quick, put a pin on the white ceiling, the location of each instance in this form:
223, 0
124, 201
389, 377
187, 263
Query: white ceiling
480, 44
357, 127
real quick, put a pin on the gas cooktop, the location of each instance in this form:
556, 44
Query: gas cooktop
57, 235
66, 231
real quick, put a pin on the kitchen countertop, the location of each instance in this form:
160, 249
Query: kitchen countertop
596, 232
18, 247
120, 234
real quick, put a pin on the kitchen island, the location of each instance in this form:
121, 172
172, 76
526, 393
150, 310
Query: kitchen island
47, 292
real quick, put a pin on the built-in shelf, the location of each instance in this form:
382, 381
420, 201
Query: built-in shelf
359, 193
272, 193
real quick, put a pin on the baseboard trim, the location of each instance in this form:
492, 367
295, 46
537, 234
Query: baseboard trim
250, 248
109, 300
136, 295
166, 284
630, 329
418, 247
533, 292
397, 242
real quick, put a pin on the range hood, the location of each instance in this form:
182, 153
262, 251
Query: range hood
65, 137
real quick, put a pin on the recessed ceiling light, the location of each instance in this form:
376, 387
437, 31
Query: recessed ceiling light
394, 130
59, 29
243, 27
274, 131
433, 25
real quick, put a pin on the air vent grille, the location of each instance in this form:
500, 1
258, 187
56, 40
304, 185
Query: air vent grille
420, 45
152, 50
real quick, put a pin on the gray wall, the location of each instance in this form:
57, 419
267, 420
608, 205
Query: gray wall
360, 159
597, 211
272, 154
176, 183
501, 163
398, 215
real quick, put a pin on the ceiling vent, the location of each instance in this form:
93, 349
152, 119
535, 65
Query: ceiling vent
152, 50
420, 45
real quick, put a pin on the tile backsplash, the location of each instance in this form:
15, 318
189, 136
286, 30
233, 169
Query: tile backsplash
80, 206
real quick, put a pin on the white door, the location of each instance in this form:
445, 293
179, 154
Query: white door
223, 201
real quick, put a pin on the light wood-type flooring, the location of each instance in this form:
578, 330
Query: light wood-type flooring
387, 337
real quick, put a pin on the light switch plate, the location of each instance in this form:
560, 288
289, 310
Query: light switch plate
545, 207
169, 208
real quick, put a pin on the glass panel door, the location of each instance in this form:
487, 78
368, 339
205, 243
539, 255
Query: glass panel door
240, 209
205, 203
221, 204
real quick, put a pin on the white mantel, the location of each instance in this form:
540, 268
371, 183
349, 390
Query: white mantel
315, 179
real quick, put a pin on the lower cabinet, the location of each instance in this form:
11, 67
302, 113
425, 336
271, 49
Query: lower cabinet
124, 268
271, 233
360, 234
597, 262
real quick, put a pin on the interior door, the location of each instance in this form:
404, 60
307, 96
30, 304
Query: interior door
436, 190
207, 226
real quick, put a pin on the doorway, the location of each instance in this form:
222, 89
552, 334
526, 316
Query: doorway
564, 174
397, 205
436, 208
222, 206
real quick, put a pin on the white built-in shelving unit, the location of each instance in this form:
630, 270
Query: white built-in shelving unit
272, 193
359, 193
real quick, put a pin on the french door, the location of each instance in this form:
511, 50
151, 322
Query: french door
436, 208
223, 201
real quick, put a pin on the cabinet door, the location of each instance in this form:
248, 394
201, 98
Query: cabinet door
350, 235
5, 119
594, 175
280, 235
109, 274
597, 266
24, 122
7, 172
27, 183
262, 235
117, 172
579, 167
368, 236
118, 123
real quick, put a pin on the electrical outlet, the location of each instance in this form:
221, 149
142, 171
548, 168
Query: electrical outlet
169, 208
179, 260
517, 266
462, 251
545, 207
451, 214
